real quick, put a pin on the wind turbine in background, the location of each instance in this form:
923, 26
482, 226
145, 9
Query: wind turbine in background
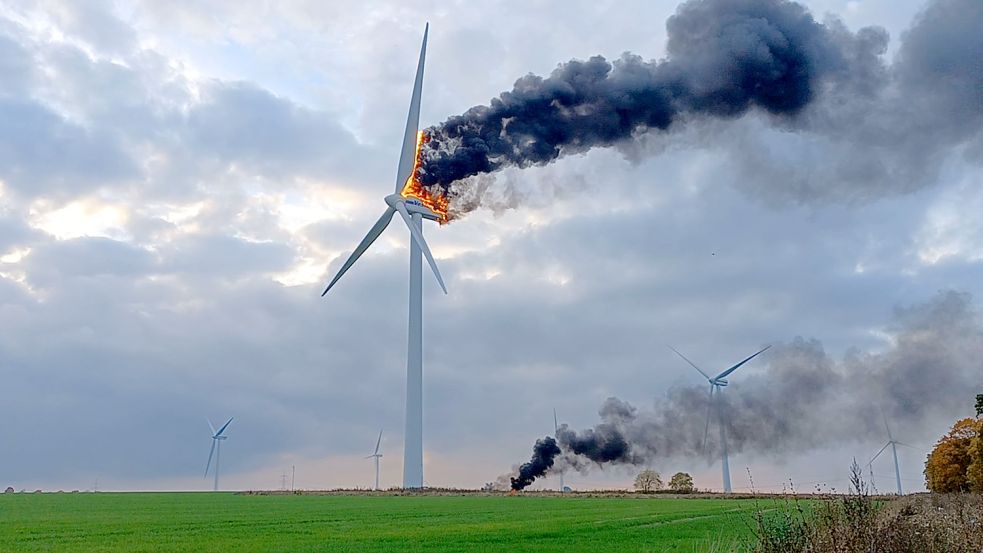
718, 383
377, 456
556, 432
217, 438
413, 205
894, 451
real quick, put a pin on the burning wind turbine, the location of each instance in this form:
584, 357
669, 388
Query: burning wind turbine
413, 204
725, 59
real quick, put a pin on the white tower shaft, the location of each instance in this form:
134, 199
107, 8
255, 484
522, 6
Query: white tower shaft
413, 446
218, 455
724, 463
377, 472
897, 469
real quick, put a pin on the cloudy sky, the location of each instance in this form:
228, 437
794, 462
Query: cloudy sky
178, 182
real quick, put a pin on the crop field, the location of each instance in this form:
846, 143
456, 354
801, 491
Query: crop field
245, 523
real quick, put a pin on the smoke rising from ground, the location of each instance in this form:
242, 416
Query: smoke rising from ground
804, 398
862, 128
543, 454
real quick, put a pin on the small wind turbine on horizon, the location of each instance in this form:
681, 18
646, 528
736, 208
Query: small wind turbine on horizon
217, 438
556, 431
413, 206
718, 383
894, 451
376, 455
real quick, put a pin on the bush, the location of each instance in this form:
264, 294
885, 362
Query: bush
859, 523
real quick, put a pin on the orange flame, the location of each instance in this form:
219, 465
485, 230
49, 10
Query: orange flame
436, 202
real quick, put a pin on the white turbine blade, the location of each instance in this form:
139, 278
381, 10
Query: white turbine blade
210, 453
705, 375
374, 233
879, 453
904, 444
886, 427
212, 428
706, 429
418, 237
407, 155
737, 366
377, 443
224, 426
368, 457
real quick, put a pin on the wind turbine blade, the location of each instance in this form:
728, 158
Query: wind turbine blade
224, 426
377, 443
706, 429
886, 427
705, 375
904, 444
407, 155
374, 233
737, 366
879, 453
418, 237
210, 453
212, 428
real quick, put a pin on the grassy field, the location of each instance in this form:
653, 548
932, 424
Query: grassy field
245, 523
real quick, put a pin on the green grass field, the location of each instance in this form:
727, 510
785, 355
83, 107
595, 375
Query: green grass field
245, 523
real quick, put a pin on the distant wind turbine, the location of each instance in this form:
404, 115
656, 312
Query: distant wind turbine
894, 451
376, 455
217, 438
556, 431
717, 383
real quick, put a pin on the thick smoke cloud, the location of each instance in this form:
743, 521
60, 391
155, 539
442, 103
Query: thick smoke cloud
726, 58
543, 454
805, 399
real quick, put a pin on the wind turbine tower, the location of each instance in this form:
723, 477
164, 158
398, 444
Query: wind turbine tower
718, 383
376, 455
217, 438
413, 204
556, 431
894, 452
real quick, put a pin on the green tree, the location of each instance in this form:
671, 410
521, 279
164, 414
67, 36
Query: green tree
648, 480
681, 482
979, 404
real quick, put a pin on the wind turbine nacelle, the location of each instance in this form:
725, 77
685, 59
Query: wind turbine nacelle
413, 205
720, 382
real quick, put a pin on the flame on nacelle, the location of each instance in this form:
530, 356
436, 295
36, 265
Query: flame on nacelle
436, 202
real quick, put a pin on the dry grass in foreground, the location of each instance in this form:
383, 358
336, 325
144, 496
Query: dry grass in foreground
860, 523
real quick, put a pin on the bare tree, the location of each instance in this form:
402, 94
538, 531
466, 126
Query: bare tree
648, 480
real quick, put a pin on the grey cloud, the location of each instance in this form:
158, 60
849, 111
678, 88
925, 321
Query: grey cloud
42, 152
241, 123
225, 255
57, 263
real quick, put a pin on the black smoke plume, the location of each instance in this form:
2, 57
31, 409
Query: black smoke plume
543, 454
887, 125
800, 398
724, 57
